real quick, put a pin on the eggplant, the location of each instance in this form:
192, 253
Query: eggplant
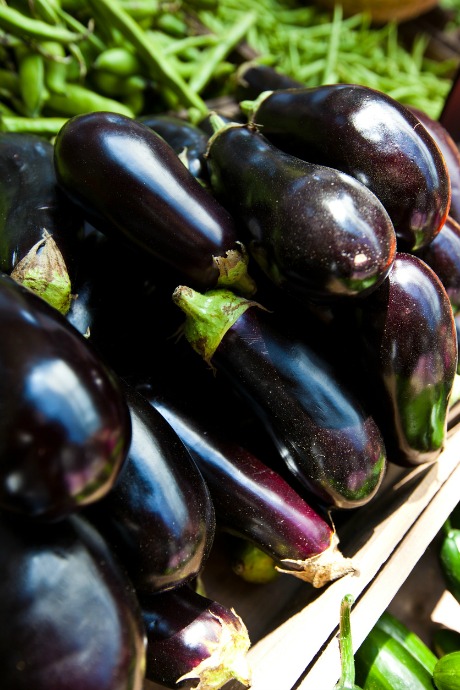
158, 517
409, 360
323, 434
188, 141
64, 423
114, 291
316, 232
372, 137
32, 209
31, 200
191, 637
451, 153
255, 502
443, 256
130, 184
449, 114
73, 619
252, 79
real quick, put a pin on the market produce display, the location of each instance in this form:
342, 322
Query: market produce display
181, 284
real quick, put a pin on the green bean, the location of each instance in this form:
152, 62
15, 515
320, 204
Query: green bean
329, 74
148, 51
119, 61
32, 125
78, 100
22, 26
31, 72
216, 55
9, 81
56, 62
114, 86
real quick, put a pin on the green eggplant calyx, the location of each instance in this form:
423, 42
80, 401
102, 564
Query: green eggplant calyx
227, 658
321, 568
218, 125
209, 316
249, 108
347, 676
43, 271
233, 271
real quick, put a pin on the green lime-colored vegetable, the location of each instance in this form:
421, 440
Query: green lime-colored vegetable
446, 674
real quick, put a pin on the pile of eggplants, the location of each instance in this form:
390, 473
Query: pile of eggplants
261, 317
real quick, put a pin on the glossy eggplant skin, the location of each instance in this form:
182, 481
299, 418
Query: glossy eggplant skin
73, 618
451, 153
409, 360
184, 629
325, 437
130, 184
253, 79
251, 499
443, 256
31, 201
64, 423
374, 138
316, 232
158, 517
186, 139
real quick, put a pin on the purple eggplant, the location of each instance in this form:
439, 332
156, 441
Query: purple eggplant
31, 200
188, 141
65, 426
443, 256
193, 638
158, 517
315, 231
72, 619
130, 184
409, 360
372, 137
325, 437
252, 79
451, 153
255, 502
39, 226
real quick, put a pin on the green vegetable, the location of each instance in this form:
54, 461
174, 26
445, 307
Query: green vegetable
148, 51
347, 676
252, 564
412, 642
446, 641
383, 663
449, 555
23, 26
446, 674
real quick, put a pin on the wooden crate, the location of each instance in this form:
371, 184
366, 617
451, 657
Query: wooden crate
293, 627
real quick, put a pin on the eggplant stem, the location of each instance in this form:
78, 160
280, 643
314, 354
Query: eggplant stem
321, 568
347, 677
